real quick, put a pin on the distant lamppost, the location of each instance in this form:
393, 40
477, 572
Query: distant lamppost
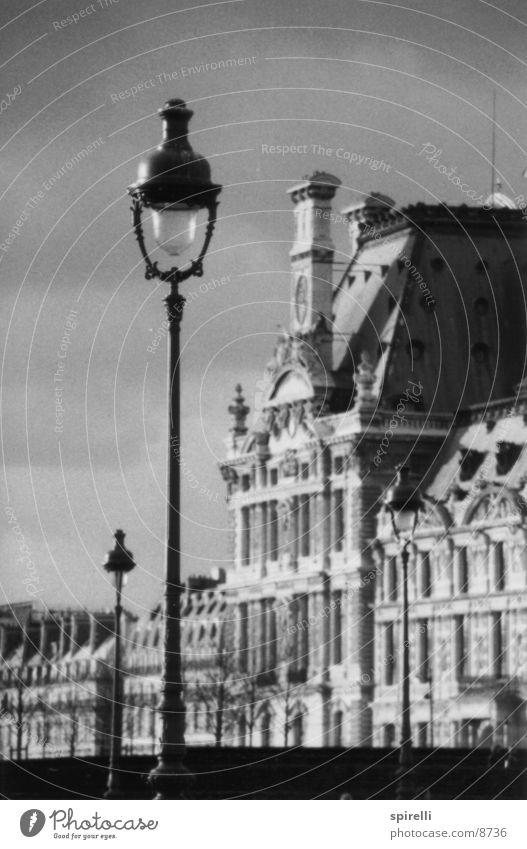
403, 502
175, 183
119, 562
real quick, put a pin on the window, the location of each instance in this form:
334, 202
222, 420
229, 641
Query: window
242, 730
336, 628
391, 583
462, 571
243, 639
305, 526
272, 649
422, 729
499, 566
274, 477
246, 482
298, 729
416, 349
338, 465
338, 518
304, 471
245, 536
481, 306
273, 531
388, 659
497, 645
338, 719
480, 352
265, 728
423, 649
263, 636
425, 576
460, 653
388, 734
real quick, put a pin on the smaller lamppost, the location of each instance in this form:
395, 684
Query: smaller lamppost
403, 503
120, 561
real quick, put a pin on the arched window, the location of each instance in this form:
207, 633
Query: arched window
391, 588
499, 566
242, 730
338, 719
265, 728
298, 729
388, 734
425, 577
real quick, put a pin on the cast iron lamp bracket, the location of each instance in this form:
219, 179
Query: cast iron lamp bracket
174, 275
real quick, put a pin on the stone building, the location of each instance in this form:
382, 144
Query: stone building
411, 351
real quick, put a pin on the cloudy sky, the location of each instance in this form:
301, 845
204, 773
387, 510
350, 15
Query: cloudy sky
379, 79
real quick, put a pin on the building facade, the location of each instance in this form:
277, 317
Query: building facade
411, 351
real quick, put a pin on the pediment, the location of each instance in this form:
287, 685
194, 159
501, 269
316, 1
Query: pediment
291, 386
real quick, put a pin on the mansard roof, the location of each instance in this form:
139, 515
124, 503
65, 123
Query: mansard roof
435, 293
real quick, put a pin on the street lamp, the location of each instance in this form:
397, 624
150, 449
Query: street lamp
403, 503
119, 562
175, 183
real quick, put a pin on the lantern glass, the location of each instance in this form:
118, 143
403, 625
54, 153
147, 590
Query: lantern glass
174, 227
404, 522
120, 580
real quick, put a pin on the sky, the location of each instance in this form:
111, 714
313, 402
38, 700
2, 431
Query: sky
378, 79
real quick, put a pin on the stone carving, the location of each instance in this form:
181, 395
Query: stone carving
290, 464
239, 412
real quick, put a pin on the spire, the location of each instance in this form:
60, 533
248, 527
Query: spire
239, 412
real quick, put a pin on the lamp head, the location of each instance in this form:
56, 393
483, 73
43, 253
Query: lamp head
175, 182
120, 560
403, 501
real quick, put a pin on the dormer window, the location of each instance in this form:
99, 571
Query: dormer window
480, 352
469, 463
416, 349
481, 306
338, 465
506, 456
437, 263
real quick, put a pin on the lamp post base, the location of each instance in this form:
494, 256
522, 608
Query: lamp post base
113, 790
405, 788
171, 780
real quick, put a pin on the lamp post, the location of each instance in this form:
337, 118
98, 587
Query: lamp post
403, 503
119, 562
175, 184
